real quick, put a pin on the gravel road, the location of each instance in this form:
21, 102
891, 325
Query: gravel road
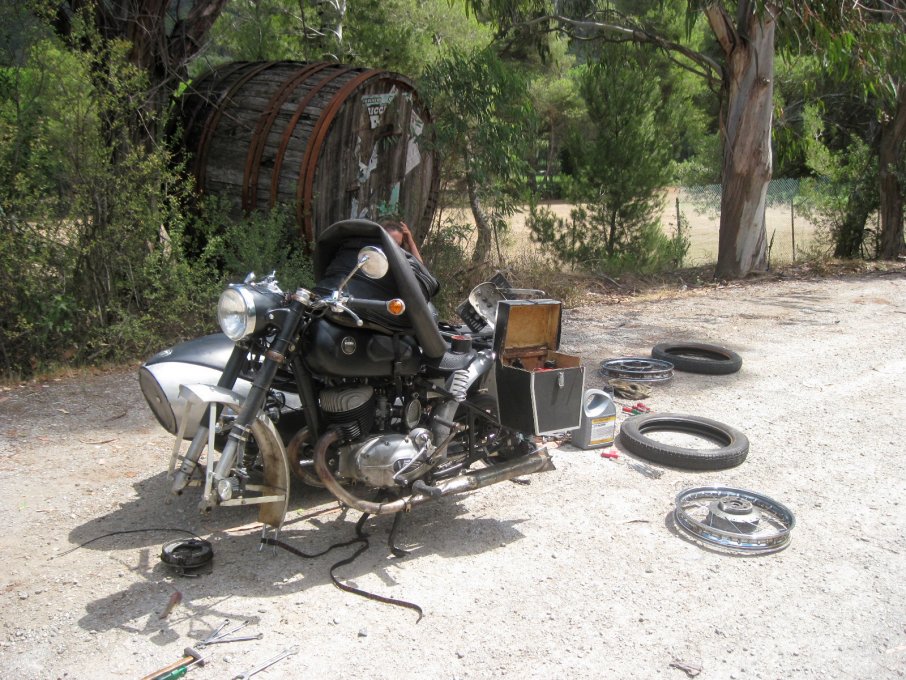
579, 574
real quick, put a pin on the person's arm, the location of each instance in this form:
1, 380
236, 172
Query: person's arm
409, 242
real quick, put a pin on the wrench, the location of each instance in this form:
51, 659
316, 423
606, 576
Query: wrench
270, 662
219, 640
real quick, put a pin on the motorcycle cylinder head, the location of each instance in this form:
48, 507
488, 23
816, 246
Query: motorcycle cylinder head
351, 408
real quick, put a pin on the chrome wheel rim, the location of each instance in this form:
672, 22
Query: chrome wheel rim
637, 369
733, 520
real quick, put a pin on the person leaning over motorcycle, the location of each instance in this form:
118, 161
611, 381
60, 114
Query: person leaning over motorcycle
400, 233
403, 237
361, 286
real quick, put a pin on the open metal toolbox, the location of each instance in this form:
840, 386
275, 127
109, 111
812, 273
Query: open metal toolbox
539, 389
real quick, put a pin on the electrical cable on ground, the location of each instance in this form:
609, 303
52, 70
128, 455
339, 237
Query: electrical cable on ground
361, 537
119, 533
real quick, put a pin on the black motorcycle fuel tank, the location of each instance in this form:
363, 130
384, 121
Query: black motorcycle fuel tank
331, 349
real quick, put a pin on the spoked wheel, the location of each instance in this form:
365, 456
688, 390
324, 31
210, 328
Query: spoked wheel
637, 369
733, 520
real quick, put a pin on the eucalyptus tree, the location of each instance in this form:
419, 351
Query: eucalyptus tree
740, 70
864, 37
864, 44
484, 123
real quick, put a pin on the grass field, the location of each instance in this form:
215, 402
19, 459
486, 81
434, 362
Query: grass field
703, 227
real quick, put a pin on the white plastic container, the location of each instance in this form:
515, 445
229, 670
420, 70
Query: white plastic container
598, 423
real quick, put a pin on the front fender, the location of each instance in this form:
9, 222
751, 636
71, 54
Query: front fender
270, 447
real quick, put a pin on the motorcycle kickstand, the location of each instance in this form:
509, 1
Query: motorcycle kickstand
264, 539
391, 539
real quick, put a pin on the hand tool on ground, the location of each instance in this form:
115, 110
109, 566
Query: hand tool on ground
179, 672
218, 637
216, 633
270, 662
240, 638
646, 470
192, 656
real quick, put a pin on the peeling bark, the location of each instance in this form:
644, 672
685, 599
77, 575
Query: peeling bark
746, 128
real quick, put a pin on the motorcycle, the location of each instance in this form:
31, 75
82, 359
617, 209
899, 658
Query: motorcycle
355, 387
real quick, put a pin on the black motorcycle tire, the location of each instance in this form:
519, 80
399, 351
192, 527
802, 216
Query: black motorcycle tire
733, 449
697, 357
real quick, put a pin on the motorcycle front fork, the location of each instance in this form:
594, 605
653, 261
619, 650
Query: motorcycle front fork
204, 434
220, 484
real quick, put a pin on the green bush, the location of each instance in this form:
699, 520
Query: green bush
105, 252
645, 250
262, 242
40, 319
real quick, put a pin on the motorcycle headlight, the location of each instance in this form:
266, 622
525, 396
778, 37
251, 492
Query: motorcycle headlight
242, 310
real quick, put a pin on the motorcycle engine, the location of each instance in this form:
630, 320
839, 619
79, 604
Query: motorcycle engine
373, 460
378, 459
351, 408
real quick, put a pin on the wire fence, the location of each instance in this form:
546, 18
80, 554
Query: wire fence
790, 235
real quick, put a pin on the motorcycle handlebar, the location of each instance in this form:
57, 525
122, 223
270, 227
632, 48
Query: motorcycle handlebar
395, 306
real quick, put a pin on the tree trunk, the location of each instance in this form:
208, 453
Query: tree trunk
612, 233
482, 225
164, 36
890, 157
746, 173
849, 237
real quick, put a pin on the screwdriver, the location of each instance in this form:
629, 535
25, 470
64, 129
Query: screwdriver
172, 675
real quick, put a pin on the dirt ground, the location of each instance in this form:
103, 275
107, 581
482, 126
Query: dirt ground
579, 574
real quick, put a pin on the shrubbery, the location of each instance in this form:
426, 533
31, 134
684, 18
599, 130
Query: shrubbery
104, 252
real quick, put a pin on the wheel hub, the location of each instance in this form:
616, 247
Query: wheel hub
638, 369
733, 514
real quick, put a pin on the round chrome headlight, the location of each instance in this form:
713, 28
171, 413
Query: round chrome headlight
236, 312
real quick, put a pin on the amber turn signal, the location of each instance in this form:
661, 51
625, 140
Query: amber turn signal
396, 306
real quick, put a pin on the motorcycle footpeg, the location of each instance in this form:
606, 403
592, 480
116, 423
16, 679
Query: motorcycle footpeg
419, 486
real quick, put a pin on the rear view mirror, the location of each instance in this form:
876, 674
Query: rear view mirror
373, 262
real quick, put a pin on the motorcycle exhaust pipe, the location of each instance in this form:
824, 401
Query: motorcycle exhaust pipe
539, 461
